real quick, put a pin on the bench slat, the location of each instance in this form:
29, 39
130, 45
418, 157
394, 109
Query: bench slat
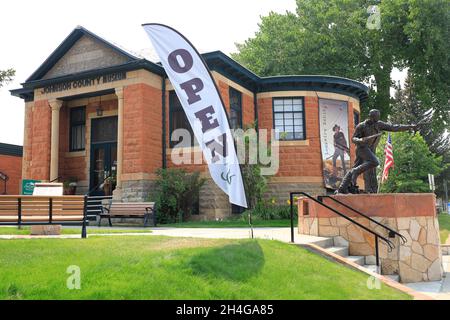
41, 218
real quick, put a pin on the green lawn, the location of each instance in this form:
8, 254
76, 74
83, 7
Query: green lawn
444, 226
231, 224
26, 231
176, 268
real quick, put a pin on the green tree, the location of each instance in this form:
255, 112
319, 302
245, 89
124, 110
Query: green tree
413, 162
332, 37
6, 76
407, 108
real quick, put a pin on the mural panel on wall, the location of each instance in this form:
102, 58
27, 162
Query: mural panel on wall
334, 140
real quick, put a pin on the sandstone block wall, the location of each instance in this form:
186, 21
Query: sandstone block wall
419, 259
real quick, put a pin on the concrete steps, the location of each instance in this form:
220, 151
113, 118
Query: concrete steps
325, 243
341, 249
394, 277
356, 259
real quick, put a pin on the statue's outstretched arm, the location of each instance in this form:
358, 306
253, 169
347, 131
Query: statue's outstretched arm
395, 127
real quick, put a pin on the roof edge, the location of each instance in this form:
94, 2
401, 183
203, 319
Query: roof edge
7, 149
66, 44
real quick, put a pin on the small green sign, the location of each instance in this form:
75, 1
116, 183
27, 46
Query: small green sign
28, 186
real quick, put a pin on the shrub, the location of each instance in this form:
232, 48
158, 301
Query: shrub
270, 210
176, 194
254, 183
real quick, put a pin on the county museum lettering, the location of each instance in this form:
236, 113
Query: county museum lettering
82, 83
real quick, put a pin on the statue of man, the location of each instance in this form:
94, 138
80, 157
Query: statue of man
366, 137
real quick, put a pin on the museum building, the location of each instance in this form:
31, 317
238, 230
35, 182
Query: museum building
94, 110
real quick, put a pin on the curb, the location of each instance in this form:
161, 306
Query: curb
389, 282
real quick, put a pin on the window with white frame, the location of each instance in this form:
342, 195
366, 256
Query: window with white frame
289, 118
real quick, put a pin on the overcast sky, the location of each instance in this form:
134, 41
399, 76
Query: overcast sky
31, 30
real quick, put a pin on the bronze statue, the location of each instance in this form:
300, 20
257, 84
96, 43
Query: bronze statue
366, 137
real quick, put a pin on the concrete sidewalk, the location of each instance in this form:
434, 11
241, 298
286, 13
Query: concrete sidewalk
281, 234
439, 290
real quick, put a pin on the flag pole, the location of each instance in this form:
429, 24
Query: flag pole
380, 180
381, 174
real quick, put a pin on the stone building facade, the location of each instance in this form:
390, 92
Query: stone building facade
92, 109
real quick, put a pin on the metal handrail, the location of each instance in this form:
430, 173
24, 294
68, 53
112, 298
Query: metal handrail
56, 179
377, 236
392, 233
98, 185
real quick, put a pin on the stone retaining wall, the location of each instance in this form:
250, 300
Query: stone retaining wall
419, 259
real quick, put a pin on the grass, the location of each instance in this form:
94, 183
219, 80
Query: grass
176, 268
232, 223
27, 231
444, 226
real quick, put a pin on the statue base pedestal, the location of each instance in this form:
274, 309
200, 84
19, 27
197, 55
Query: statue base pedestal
412, 215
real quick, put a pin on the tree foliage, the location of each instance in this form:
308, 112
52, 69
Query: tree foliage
413, 162
332, 37
407, 108
6, 76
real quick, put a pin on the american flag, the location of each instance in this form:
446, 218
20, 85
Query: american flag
389, 158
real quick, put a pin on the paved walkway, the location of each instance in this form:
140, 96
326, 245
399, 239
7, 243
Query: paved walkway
436, 289
281, 234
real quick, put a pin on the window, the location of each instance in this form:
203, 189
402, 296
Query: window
104, 130
289, 118
178, 120
235, 109
355, 118
77, 128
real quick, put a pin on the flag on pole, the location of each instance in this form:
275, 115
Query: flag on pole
204, 108
388, 160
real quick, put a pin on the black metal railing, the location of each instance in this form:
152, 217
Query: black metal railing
95, 205
392, 233
377, 236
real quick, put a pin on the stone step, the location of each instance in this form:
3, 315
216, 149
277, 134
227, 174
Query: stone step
394, 277
371, 267
341, 251
324, 243
357, 259
371, 260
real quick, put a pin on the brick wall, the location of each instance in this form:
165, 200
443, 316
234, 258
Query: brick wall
142, 129
37, 141
12, 167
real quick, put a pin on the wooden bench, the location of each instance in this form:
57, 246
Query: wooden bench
44, 210
133, 210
